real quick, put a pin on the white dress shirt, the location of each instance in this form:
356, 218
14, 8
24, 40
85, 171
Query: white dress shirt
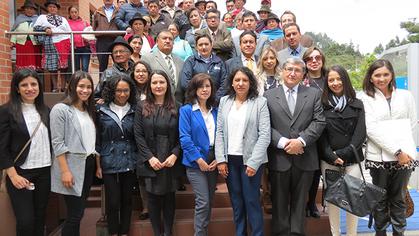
209, 123
236, 120
88, 131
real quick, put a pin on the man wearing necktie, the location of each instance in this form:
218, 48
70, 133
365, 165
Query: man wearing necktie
297, 121
163, 59
293, 38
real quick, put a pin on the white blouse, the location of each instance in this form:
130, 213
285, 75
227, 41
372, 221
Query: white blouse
88, 131
39, 150
236, 120
120, 111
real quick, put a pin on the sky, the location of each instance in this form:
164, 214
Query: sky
366, 23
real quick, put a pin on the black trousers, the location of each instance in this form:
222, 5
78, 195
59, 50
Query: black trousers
158, 204
102, 50
289, 194
311, 203
76, 205
392, 209
30, 206
118, 192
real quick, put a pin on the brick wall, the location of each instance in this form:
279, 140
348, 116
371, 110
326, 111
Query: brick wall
5, 61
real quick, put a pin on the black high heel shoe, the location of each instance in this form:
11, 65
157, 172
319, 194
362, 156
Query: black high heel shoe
312, 211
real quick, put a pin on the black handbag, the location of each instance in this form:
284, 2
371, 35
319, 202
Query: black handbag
352, 194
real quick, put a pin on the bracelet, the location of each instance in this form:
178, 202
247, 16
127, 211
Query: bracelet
397, 153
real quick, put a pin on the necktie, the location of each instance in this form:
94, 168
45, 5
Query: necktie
294, 53
291, 101
249, 63
171, 71
213, 36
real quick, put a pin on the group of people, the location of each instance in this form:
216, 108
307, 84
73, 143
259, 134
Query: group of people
203, 100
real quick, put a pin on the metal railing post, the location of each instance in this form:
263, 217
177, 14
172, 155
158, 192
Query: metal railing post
73, 66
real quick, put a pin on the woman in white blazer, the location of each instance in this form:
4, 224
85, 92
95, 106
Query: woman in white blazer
389, 163
242, 136
73, 137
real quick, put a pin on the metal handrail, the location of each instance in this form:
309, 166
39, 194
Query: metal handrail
71, 33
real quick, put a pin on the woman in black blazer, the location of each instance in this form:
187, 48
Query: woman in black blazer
28, 178
157, 137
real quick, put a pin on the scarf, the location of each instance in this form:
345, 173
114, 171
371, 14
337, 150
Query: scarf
339, 103
21, 18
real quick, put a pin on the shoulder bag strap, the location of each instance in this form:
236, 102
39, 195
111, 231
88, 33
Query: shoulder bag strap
27, 143
358, 160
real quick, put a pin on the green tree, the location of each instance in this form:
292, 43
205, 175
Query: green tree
413, 29
379, 49
357, 76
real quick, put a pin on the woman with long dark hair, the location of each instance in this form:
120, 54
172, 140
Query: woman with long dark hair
24, 120
115, 142
389, 160
157, 136
73, 135
345, 126
141, 75
197, 123
242, 138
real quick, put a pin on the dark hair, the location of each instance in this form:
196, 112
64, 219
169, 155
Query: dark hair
155, 2
249, 14
286, 26
69, 9
227, 13
140, 88
348, 90
229, 1
175, 25
307, 54
253, 89
163, 31
135, 36
71, 93
169, 104
189, 12
211, 1
196, 82
200, 36
108, 93
15, 101
289, 13
368, 86
248, 32
212, 10
236, 0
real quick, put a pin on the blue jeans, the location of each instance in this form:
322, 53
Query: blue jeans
245, 197
82, 56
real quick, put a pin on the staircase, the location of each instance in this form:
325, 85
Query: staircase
221, 224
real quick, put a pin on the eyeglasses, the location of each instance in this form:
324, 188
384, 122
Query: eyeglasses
212, 18
120, 91
120, 52
311, 59
293, 69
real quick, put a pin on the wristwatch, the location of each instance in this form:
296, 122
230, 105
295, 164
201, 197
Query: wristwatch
397, 153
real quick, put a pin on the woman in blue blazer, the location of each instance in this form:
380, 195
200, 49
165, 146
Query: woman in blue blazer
197, 123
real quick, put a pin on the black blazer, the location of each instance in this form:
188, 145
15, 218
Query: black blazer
342, 129
13, 136
150, 144
307, 122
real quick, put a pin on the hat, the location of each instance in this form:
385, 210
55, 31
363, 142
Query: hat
264, 8
137, 16
272, 16
120, 41
30, 4
52, 2
199, 2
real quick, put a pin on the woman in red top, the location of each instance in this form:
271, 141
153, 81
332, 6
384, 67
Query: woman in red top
81, 47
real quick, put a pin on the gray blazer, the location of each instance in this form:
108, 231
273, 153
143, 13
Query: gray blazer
66, 139
157, 62
257, 135
284, 54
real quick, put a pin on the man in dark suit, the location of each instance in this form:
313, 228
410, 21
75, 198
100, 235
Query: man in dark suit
222, 44
163, 59
297, 121
246, 57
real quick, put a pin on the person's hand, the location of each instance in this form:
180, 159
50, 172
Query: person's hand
67, 179
223, 169
203, 166
19, 182
294, 147
339, 161
250, 171
170, 161
99, 172
213, 165
128, 30
100, 101
12, 45
155, 163
404, 159
48, 31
